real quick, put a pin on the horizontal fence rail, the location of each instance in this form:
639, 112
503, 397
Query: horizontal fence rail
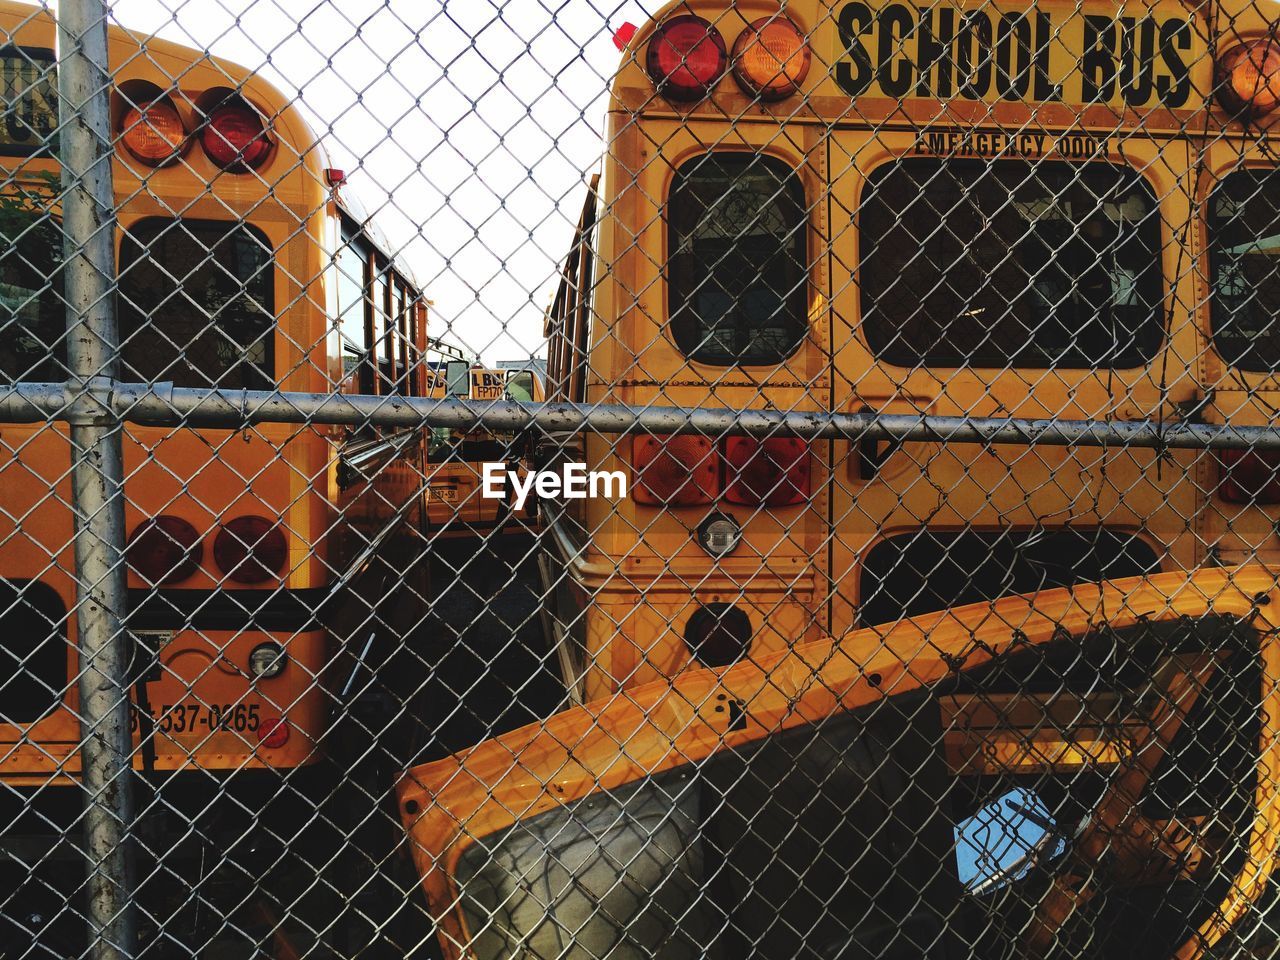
163, 404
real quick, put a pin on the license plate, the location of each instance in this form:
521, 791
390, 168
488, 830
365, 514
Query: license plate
200, 718
28, 89
443, 494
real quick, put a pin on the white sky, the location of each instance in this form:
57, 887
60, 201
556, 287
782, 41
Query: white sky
467, 126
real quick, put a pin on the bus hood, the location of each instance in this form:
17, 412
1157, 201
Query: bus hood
1079, 770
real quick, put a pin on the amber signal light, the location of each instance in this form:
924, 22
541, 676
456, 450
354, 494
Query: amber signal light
1248, 77
153, 133
771, 58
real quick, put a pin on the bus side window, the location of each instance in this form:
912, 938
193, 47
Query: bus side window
402, 337
520, 386
353, 325
382, 332
458, 378
567, 322
1244, 254
417, 337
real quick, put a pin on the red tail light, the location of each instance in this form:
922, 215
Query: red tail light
273, 733
235, 138
250, 550
164, 550
674, 471
686, 57
770, 473
1249, 476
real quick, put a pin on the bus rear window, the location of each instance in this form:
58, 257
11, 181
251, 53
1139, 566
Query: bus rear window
969, 263
1244, 257
737, 271
33, 314
197, 304
926, 570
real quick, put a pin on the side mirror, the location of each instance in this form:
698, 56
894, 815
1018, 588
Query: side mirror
458, 373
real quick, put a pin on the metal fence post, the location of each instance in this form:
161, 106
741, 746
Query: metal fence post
97, 469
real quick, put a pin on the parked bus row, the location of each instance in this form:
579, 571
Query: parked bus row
868, 699
807, 678
456, 504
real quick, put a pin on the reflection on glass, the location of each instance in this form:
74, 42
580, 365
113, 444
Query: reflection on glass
352, 261
520, 386
197, 304
33, 318
458, 374
1244, 241
969, 263
1004, 839
738, 268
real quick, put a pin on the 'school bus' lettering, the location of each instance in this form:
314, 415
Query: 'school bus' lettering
1140, 59
488, 384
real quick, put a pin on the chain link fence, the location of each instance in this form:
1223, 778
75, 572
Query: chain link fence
521, 480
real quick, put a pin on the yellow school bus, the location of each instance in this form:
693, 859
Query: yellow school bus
456, 504
862, 797
861, 699
844, 208
243, 264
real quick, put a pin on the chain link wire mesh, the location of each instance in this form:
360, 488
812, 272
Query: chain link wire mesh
773, 480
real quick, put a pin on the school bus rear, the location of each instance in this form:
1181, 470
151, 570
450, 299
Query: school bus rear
458, 505
886, 228
222, 524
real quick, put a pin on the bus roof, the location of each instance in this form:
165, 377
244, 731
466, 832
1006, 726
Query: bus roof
353, 208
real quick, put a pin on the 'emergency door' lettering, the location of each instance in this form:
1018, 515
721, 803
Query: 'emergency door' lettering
1050, 53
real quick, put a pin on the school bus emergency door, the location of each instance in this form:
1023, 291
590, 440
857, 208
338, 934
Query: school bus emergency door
1019, 250
1237, 302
